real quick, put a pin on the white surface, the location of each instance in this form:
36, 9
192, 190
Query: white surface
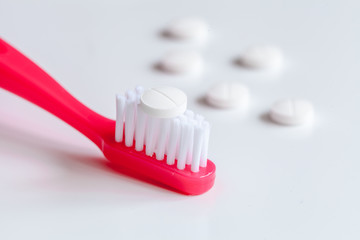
262, 57
188, 28
228, 95
163, 102
292, 112
272, 183
182, 62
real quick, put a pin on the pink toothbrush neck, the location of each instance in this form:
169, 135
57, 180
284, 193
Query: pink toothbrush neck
22, 77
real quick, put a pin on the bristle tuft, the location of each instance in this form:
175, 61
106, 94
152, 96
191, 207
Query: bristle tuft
184, 138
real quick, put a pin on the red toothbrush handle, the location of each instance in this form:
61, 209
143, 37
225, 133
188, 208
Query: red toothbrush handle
21, 76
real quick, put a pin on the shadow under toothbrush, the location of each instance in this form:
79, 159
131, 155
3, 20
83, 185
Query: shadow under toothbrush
61, 150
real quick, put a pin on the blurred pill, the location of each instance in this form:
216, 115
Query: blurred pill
188, 29
262, 57
228, 95
182, 62
292, 112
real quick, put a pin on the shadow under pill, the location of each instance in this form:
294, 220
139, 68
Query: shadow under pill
159, 68
202, 101
265, 117
165, 34
298, 131
239, 62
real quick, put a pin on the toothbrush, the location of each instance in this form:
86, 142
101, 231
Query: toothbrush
24, 78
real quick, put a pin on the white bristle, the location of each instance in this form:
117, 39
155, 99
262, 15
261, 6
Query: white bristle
120, 113
190, 142
182, 119
130, 118
163, 139
204, 150
184, 138
190, 114
173, 141
133, 95
140, 130
151, 135
199, 118
198, 143
184, 144
139, 91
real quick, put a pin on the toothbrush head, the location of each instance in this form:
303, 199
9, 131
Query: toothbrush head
157, 137
184, 181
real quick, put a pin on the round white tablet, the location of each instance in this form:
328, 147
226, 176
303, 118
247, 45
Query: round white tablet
228, 95
262, 57
188, 29
182, 62
163, 102
292, 112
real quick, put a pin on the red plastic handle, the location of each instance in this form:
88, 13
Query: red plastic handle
21, 76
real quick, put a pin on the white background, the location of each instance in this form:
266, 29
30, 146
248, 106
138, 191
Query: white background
273, 182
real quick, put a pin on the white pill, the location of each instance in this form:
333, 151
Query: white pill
181, 62
262, 57
292, 112
188, 29
228, 95
163, 102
